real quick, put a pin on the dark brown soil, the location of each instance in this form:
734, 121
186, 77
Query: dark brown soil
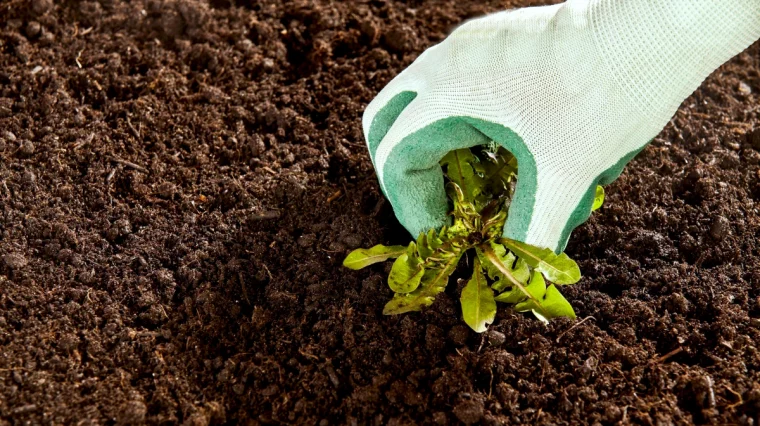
180, 180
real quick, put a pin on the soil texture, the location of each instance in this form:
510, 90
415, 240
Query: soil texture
180, 181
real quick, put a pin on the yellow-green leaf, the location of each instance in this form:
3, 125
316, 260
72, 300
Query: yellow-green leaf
423, 247
500, 169
361, 258
433, 282
519, 269
433, 240
559, 269
459, 169
598, 198
537, 289
405, 274
555, 304
478, 304
405, 303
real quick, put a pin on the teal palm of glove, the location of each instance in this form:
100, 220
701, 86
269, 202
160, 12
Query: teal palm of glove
573, 90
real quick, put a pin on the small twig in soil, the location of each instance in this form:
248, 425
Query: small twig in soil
130, 164
379, 207
332, 375
574, 325
270, 171
111, 175
267, 215
268, 273
84, 142
79, 55
736, 394
334, 196
307, 355
490, 385
667, 356
242, 285
711, 394
132, 128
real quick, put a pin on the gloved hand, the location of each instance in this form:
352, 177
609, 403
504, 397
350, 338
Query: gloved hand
573, 90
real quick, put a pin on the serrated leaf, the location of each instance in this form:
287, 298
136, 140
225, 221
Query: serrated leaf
405, 274
556, 305
598, 198
433, 240
505, 168
511, 296
411, 253
491, 257
552, 304
433, 282
459, 169
498, 170
405, 303
491, 270
478, 304
519, 269
537, 289
361, 258
423, 246
559, 269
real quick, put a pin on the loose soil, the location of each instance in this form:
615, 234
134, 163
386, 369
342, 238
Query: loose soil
180, 180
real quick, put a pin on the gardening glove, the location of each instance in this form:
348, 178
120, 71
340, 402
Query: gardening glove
573, 90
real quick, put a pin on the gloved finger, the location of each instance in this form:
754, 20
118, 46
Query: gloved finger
409, 169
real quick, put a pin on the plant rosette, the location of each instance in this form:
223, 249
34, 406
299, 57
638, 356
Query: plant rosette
480, 185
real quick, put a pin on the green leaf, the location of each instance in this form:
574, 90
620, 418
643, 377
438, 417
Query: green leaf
559, 269
556, 305
520, 271
433, 240
502, 165
491, 257
433, 282
499, 169
405, 274
411, 253
459, 169
491, 269
598, 198
478, 305
536, 288
361, 258
551, 304
423, 247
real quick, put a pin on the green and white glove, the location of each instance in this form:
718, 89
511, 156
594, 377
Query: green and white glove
573, 90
